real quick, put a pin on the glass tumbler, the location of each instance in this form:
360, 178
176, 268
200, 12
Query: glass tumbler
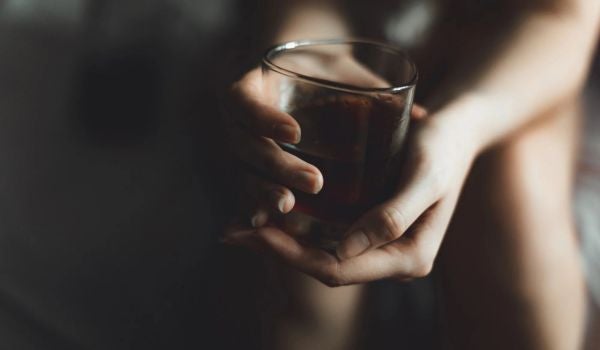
352, 99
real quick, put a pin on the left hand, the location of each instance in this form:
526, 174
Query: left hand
399, 238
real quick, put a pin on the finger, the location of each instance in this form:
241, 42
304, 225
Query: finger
251, 212
312, 261
271, 196
269, 159
428, 232
261, 199
396, 260
406, 258
426, 237
377, 264
388, 221
239, 235
418, 112
250, 108
259, 218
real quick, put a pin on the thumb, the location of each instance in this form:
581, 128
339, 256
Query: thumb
388, 221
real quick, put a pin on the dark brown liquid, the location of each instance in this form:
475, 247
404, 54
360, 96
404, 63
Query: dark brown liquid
355, 142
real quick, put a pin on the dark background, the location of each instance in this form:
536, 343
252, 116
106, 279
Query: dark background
113, 183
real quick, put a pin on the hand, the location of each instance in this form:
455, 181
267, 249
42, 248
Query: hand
399, 238
254, 127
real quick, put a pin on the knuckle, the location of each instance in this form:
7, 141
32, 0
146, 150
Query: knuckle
392, 224
422, 265
332, 277
422, 271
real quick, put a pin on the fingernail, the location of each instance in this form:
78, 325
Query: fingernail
308, 182
288, 133
356, 243
281, 202
278, 198
259, 219
281, 205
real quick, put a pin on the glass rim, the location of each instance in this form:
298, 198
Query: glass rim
290, 45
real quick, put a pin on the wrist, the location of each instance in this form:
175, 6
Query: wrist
464, 121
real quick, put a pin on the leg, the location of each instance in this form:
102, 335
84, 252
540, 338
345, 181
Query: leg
302, 313
510, 269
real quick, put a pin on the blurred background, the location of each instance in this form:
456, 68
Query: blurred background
109, 165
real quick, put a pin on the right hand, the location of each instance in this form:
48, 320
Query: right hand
254, 127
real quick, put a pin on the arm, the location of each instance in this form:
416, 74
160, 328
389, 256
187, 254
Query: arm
544, 64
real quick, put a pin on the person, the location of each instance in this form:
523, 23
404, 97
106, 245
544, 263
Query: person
486, 196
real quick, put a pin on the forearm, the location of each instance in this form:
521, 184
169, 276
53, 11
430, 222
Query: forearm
544, 64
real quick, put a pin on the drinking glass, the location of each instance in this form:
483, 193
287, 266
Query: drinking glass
352, 99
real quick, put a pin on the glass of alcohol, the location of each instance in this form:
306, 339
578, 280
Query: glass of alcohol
352, 99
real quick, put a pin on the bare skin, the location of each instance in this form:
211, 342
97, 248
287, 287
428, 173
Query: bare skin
527, 283
509, 262
525, 289
314, 315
